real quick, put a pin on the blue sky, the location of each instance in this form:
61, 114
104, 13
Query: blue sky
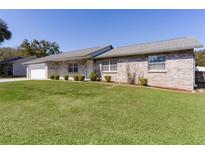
77, 29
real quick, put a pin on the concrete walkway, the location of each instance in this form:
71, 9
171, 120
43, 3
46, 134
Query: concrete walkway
12, 79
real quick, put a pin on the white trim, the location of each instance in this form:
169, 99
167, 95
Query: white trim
157, 71
46, 71
109, 71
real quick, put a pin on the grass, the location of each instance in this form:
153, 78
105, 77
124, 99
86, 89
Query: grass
59, 112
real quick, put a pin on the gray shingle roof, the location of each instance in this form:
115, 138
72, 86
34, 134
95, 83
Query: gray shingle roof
108, 51
25, 59
154, 47
73, 55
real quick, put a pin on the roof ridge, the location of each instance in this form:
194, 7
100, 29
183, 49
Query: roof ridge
181, 43
83, 49
155, 41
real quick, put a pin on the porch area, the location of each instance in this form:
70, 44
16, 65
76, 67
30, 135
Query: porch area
70, 68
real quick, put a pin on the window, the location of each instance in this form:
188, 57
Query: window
156, 63
73, 67
70, 67
105, 66
113, 65
109, 65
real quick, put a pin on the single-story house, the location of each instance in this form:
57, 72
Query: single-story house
167, 63
14, 66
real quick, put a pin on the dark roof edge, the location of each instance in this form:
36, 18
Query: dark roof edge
23, 58
100, 51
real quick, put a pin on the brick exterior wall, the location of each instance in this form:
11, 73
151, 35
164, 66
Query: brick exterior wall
179, 72
61, 68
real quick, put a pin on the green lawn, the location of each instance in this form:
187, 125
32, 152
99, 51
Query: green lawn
59, 112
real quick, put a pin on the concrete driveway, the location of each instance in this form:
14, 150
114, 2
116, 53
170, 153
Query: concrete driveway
12, 79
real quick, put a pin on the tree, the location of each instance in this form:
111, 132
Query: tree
26, 49
200, 58
7, 53
39, 48
5, 34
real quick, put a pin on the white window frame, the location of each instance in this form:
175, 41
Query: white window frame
109, 66
157, 70
72, 67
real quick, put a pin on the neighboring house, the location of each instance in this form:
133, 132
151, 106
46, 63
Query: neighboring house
14, 66
168, 63
200, 74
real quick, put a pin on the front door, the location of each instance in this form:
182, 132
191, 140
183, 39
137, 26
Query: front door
89, 68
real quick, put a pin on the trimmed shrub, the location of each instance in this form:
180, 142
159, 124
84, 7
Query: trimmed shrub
75, 77
65, 77
56, 77
52, 77
143, 81
107, 78
93, 76
81, 78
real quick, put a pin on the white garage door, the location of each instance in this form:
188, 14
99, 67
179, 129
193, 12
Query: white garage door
37, 71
